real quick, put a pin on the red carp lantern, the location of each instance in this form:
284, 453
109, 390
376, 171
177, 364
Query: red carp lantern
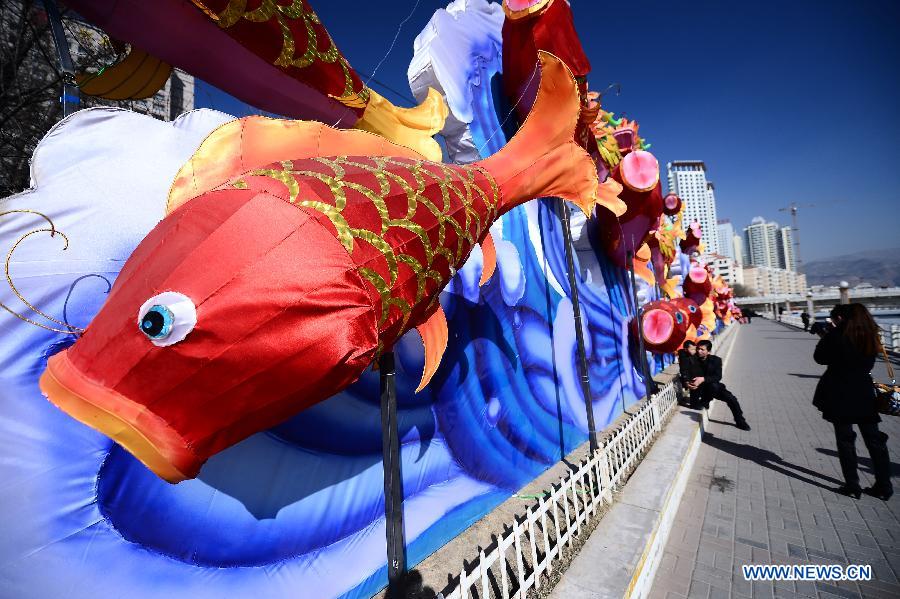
663, 327
292, 255
697, 284
638, 173
690, 308
671, 204
691, 242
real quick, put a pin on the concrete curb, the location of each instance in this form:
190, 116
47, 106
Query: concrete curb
642, 580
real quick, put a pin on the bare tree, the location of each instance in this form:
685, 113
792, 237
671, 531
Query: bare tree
743, 290
31, 80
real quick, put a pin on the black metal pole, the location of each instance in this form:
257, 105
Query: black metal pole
579, 334
393, 482
70, 98
649, 383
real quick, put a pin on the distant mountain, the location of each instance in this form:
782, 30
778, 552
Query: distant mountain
878, 267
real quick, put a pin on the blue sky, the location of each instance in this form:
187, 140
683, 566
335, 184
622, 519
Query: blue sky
785, 101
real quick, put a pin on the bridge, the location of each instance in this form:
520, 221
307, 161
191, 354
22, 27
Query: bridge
873, 297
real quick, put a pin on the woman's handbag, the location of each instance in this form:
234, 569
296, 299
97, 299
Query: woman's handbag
887, 397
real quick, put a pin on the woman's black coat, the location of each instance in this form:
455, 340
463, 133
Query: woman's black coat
844, 393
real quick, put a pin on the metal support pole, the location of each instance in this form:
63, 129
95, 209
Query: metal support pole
70, 98
649, 383
579, 334
393, 482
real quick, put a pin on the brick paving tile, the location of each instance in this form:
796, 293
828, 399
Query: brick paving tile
766, 496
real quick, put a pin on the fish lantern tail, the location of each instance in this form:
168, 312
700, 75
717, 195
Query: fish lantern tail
543, 159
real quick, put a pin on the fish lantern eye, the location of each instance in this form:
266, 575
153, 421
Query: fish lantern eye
692, 309
167, 318
679, 317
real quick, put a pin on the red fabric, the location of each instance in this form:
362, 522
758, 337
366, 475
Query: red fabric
553, 31
266, 40
679, 331
690, 243
284, 318
630, 231
698, 292
360, 213
690, 308
181, 34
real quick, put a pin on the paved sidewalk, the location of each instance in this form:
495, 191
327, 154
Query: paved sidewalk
765, 496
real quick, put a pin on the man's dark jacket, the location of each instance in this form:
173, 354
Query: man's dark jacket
845, 393
711, 369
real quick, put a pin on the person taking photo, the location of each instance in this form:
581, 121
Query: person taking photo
846, 397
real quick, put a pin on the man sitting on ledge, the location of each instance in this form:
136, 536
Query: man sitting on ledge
709, 386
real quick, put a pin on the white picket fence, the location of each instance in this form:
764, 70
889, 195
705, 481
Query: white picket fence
528, 549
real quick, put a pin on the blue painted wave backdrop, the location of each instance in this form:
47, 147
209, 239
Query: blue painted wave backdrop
298, 510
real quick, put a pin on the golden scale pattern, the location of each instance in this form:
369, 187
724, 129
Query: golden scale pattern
296, 10
454, 184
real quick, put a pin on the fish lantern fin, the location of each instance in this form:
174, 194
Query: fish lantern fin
137, 76
543, 159
434, 337
489, 259
608, 196
409, 127
708, 309
670, 288
252, 142
690, 336
641, 268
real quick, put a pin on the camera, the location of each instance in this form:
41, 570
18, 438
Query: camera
820, 328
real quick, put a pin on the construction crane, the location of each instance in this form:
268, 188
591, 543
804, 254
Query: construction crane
793, 208
795, 229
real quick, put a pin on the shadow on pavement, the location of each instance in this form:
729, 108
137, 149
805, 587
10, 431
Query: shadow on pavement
864, 462
805, 376
770, 460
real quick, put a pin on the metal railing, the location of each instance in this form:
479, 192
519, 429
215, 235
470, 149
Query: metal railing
529, 547
832, 294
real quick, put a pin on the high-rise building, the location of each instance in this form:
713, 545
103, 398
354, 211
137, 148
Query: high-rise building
687, 179
786, 259
761, 243
725, 231
738, 244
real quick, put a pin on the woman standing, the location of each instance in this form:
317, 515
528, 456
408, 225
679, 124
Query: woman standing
845, 396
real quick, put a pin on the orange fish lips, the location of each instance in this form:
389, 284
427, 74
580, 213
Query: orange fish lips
126, 422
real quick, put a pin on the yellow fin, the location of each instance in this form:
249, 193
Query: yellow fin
489, 260
670, 288
608, 196
434, 337
137, 76
708, 309
641, 262
255, 141
410, 127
